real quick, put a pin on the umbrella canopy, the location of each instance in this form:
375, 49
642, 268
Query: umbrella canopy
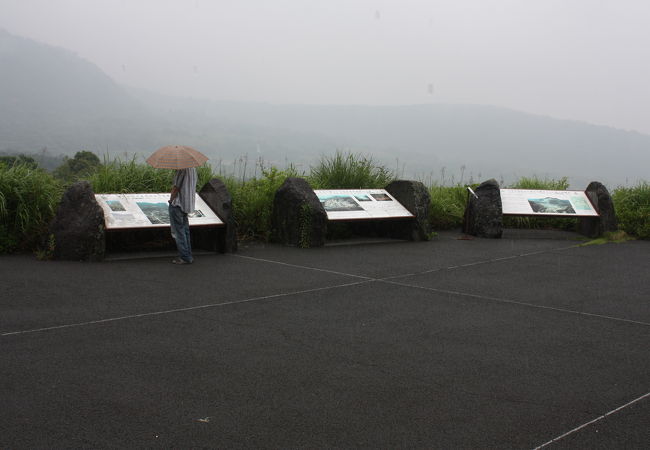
176, 157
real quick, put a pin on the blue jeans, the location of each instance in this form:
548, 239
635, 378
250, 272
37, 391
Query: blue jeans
181, 232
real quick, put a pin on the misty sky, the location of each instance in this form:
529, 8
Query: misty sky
579, 59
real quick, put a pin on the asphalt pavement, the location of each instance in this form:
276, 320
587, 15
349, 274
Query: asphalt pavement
523, 342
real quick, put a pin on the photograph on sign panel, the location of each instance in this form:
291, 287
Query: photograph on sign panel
382, 197
157, 213
121, 219
551, 205
339, 203
581, 204
362, 197
115, 205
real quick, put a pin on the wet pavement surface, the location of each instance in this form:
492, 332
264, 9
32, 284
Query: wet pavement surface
527, 341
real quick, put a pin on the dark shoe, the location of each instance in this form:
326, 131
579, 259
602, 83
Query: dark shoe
180, 261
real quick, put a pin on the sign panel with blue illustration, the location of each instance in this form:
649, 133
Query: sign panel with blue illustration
356, 204
537, 202
123, 211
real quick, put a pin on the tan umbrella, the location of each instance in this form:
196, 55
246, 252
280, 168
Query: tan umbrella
176, 157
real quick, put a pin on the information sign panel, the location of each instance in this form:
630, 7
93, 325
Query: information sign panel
537, 202
123, 211
356, 204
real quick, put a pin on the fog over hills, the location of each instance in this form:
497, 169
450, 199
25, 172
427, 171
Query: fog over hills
50, 98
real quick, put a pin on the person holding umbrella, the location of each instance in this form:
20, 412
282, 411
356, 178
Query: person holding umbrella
184, 161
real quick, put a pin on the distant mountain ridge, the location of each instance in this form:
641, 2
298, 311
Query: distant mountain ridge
49, 97
52, 98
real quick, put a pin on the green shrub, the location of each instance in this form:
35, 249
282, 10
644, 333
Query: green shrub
633, 209
11, 160
28, 201
349, 171
253, 201
447, 206
81, 166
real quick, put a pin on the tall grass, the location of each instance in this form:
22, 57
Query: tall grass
28, 201
447, 206
253, 201
632, 206
349, 171
121, 177
537, 183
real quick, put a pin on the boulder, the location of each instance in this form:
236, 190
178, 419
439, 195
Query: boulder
594, 227
484, 215
78, 227
298, 218
414, 196
221, 239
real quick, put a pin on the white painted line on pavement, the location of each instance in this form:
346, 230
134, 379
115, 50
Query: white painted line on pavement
189, 308
514, 302
388, 280
597, 419
487, 261
297, 266
476, 263
364, 279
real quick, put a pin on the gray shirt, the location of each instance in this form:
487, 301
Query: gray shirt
185, 181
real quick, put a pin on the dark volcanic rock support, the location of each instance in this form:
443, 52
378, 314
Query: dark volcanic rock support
221, 239
595, 226
78, 227
484, 215
414, 196
298, 218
